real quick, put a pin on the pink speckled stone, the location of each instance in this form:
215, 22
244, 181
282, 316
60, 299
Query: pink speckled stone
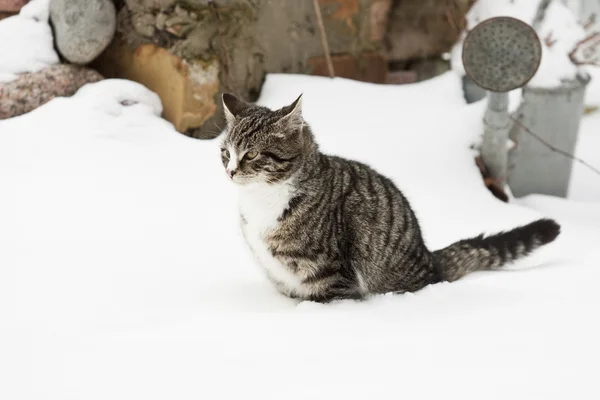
12, 5
31, 90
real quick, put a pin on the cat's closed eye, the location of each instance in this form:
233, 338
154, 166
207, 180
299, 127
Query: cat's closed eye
251, 155
225, 153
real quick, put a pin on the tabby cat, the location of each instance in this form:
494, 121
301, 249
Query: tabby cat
325, 228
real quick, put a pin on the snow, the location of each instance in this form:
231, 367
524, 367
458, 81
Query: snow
585, 184
27, 43
592, 92
124, 275
560, 25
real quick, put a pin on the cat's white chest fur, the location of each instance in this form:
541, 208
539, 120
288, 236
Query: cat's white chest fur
261, 205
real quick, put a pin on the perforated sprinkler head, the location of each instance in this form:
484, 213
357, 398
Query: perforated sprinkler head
501, 54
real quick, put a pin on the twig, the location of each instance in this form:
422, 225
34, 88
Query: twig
324, 41
549, 40
554, 149
586, 51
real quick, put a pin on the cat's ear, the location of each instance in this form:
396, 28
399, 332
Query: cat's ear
293, 113
232, 106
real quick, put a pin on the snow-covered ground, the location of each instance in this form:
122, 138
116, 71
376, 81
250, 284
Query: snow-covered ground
123, 273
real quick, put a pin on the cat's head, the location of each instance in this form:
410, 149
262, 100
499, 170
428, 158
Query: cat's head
263, 145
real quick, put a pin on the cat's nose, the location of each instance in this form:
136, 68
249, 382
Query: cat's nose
231, 173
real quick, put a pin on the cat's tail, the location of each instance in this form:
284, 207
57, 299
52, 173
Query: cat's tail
491, 252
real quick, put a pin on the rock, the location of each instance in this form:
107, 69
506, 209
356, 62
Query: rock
5, 15
31, 90
242, 41
83, 28
144, 24
188, 89
380, 10
12, 6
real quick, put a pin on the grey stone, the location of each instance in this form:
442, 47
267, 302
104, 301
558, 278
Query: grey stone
144, 24
83, 28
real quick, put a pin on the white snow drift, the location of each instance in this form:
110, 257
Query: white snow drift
123, 273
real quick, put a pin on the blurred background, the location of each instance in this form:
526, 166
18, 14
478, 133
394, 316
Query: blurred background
191, 51
188, 51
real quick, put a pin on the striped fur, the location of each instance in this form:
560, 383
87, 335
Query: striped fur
486, 253
324, 227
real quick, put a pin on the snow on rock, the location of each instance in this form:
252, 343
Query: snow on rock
560, 26
123, 273
27, 44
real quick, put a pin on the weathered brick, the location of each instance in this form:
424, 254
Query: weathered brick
344, 65
369, 67
424, 28
401, 77
373, 67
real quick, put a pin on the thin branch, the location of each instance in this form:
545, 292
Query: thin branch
324, 41
554, 149
586, 51
549, 40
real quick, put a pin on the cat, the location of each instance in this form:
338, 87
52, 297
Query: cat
326, 228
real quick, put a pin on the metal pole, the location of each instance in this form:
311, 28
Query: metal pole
495, 137
514, 46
